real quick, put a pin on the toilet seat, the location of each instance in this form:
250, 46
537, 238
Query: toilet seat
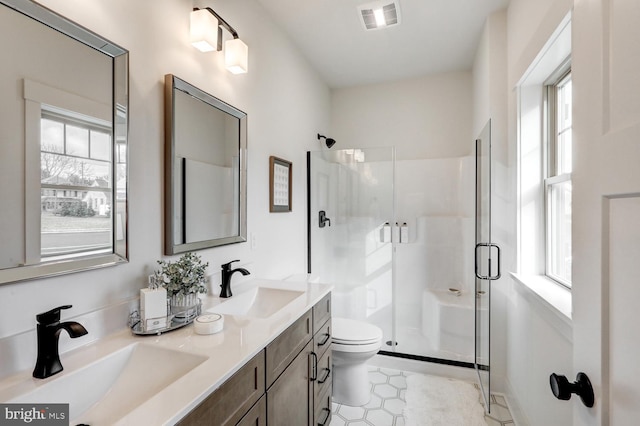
347, 332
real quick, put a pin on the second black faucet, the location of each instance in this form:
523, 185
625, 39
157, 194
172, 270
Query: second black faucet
227, 272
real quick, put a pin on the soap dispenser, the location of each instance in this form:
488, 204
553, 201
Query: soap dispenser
153, 305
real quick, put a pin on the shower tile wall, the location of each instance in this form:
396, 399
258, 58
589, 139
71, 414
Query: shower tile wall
435, 198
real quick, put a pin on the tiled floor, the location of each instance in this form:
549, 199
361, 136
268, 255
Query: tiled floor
387, 401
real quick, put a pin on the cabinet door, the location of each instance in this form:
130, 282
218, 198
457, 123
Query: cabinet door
287, 346
321, 312
229, 403
289, 399
257, 416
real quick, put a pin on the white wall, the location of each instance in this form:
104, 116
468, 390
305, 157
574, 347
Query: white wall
538, 344
425, 117
286, 102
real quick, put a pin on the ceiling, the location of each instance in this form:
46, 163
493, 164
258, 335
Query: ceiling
433, 36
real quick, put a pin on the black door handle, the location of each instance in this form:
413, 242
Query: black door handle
562, 389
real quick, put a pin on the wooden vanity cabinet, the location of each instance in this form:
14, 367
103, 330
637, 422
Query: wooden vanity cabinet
301, 394
286, 384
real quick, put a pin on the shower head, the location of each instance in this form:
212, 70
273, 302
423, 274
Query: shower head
330, 142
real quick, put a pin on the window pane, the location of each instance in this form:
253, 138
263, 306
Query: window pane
76, 194
75, 225
564, 152
564, 104
77, 141
563, 125
559, 223
52, 136
100, 145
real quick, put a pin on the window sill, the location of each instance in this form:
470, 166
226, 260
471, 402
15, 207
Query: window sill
552, 298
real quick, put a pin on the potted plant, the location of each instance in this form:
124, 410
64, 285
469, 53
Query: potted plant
184, 279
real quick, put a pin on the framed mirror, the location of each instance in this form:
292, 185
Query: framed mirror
63, 145
205, 169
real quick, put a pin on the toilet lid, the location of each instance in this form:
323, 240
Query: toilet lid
347, 331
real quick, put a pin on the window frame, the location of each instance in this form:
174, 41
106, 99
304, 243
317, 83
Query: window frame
552, 177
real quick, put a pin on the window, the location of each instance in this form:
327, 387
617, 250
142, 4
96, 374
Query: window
75, 187
557, 183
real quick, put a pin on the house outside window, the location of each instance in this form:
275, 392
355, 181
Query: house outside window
76, 197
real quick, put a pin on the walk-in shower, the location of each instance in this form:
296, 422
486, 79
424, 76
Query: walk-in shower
399, 248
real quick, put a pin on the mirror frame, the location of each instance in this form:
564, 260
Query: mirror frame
173, 83
120, 127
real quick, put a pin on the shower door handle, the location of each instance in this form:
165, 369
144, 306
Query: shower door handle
477, 264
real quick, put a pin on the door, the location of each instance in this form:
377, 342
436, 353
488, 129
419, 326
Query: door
487, 263
606, 209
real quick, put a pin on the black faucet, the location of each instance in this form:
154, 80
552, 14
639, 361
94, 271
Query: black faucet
49, 327
227, 272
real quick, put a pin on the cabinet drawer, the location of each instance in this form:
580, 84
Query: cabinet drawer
322, 412
287, 346
322, 339
321, 312
257, 416
323, 377
230, 402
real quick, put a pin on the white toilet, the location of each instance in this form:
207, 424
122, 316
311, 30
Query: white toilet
354, 343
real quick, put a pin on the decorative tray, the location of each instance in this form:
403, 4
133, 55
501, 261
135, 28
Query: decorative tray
174, 321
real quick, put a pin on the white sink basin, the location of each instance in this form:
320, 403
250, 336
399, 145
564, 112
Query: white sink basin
112, 386
259, 302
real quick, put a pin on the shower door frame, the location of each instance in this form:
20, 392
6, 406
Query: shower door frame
484, 265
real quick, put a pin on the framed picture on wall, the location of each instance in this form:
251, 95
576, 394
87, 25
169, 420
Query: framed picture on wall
279, 185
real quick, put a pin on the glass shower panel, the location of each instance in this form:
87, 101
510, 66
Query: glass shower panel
351, 207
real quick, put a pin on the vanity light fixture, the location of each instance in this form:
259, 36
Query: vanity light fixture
205, 31
236, 54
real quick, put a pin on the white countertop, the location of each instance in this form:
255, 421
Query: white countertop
226, 352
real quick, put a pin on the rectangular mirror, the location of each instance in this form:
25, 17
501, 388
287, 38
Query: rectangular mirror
63, 145
205, 169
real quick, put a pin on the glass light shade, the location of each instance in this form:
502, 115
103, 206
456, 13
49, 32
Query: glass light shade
236, 56
204, 31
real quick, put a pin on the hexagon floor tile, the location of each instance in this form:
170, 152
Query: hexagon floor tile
387, 401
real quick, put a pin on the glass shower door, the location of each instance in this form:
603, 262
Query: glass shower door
487, 263
350, 208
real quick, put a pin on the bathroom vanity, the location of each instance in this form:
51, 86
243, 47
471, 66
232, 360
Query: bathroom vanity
286, 383
271, 364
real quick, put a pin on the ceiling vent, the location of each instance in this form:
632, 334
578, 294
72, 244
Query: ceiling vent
379, 15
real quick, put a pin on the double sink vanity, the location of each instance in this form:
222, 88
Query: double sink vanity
271, 364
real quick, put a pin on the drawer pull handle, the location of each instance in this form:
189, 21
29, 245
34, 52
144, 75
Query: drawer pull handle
327, 418
314, 367
327, 337
326, 376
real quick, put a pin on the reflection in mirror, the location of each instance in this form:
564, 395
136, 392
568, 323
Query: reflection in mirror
205, 169
63, 142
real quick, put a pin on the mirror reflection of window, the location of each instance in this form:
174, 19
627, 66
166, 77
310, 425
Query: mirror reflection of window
76, 190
